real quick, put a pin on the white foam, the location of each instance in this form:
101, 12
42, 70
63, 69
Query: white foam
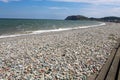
15, 35
54, 30
63, 29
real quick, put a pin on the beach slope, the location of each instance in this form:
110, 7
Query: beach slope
72, 54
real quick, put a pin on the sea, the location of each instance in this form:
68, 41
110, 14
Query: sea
18, 27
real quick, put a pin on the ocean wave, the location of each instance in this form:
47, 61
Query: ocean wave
54, 30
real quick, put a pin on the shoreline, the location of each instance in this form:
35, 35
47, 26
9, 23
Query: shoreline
46, 31
72, 54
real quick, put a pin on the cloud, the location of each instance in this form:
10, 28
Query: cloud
91, 1
100, 11
58, 8
8, 0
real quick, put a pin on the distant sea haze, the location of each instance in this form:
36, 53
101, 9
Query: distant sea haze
24, 26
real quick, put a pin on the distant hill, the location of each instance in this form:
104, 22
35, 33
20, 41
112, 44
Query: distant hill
76, 17
105, 19
111, 19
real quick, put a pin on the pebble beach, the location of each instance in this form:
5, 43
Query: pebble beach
65, 55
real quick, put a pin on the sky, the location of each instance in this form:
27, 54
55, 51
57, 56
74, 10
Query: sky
58, 9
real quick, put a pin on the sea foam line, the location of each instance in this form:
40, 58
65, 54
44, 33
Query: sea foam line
63, 29
54, 30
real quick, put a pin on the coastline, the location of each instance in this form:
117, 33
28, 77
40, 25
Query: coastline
76, 53
45, 31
